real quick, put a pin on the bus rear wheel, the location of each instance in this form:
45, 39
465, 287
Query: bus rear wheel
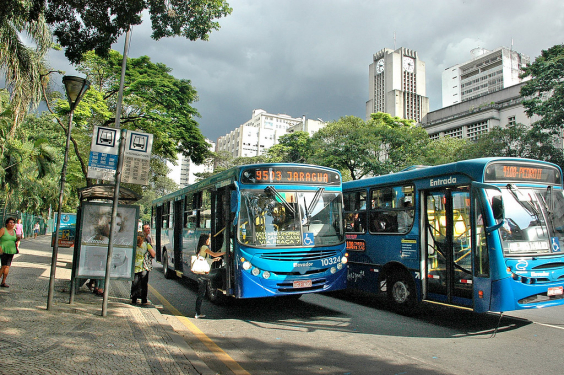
168, 274
401, 292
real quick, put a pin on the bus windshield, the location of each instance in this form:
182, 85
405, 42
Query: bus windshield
271, 218
530, 221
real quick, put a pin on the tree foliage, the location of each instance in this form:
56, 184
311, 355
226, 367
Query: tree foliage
292, 148
21, 65
544, 92
84, 25
516, 141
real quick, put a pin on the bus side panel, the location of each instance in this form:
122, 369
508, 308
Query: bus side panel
482, 304
365, 267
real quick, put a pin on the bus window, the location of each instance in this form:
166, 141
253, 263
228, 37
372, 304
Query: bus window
355, 211
391, 209
205, 210
166, 215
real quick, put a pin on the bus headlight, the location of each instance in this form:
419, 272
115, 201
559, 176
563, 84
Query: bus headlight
246, 265
255, 271
266, 275
333, 270
344, 260
340, 266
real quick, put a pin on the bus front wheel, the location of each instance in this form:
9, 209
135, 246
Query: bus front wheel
168, 274
401, 292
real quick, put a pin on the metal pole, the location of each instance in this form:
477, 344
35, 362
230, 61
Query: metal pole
117, 177
59, 212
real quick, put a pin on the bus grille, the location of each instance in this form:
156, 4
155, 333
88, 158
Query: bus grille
297, 256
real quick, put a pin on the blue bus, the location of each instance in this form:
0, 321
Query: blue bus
483, 234
280, 225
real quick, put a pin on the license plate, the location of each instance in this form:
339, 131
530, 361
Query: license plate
555, 291
302, 284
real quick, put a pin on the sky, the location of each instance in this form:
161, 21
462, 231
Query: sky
311, 57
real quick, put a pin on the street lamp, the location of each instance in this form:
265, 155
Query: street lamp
75, 88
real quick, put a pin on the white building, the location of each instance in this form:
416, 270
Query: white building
309, 126
257, 135
396, 84
486, 72
475, 116
184, 172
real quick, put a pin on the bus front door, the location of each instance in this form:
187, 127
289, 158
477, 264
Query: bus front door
448, 250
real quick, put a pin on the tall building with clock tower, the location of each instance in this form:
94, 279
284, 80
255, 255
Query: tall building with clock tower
397, 84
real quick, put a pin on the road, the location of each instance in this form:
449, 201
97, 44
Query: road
343, 334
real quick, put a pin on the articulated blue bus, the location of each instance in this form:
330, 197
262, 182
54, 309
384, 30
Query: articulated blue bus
485, 234
280, 225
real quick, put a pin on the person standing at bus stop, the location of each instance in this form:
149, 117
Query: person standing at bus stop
147, 233
8, 240
204, 251
144, 255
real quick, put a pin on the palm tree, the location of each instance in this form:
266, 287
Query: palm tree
22, 65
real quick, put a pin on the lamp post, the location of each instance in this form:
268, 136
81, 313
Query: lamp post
75, 88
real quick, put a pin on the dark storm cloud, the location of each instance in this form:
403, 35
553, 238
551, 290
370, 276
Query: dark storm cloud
311, 57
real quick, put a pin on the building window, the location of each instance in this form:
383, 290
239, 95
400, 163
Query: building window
511, 120
473, 131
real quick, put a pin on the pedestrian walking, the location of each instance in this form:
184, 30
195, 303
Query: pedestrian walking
35, 230
8, 248
144, 255
19, 233
203, 250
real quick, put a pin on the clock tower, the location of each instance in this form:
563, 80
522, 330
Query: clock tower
397, 84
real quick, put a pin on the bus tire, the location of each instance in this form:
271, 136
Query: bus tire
401, 292
168, 273
215, 295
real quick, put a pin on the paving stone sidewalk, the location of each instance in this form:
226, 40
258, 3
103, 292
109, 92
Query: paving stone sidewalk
76, 339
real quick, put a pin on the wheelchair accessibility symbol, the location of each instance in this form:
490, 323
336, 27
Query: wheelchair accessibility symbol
308, 239
555, 244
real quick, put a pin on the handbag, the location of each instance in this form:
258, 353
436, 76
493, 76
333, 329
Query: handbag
199, 265
148, 262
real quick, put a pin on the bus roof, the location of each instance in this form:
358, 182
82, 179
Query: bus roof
473, 168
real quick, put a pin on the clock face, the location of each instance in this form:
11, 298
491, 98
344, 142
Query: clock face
380, 66
408, 64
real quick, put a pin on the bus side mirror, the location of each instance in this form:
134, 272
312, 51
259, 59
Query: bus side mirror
497, 208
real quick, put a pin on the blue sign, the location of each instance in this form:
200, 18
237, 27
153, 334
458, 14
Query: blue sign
308, 239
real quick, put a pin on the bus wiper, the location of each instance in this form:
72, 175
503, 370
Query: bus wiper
315, 199
528, 206
272, 190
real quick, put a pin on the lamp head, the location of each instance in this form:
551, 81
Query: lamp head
75, 88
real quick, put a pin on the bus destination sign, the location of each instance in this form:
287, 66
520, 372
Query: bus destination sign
290, 175
522, 172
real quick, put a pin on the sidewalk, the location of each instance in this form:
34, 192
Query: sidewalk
76, 339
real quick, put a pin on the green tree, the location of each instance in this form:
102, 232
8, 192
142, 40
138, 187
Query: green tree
292, 148
81, 26
154, 101
402, 142
544, 92
22, 65
347, 144
445, 150
516, 141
